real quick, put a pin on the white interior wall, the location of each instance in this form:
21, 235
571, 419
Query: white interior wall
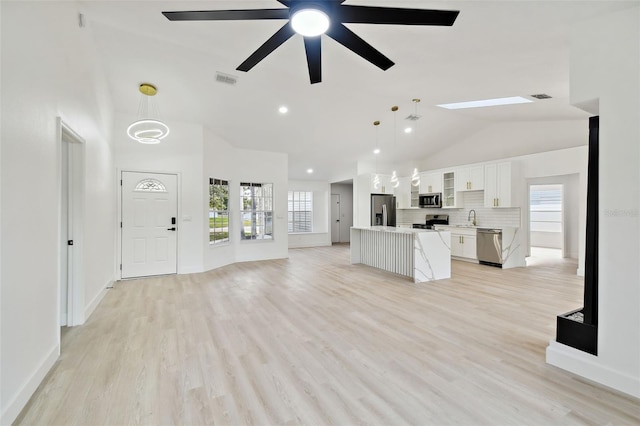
321, 234
222, 160
346, 209
49, 69
180, 153
608, 77
265, 167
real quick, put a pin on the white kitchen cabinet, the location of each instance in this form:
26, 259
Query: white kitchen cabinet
497, 185
383, 186
449, 199
430, 182
470, 178
403, 193
463, 242
469, 250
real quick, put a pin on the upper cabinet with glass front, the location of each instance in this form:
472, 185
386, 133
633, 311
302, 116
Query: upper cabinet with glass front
449, 199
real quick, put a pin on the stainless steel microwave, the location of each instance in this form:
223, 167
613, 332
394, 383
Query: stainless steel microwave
430, 201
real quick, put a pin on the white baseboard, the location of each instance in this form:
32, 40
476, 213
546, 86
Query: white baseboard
190, 270
308, 245
587, 366
20, 399
88, 310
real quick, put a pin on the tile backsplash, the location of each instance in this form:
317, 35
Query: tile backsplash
485, 216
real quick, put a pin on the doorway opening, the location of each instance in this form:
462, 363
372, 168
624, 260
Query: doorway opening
335, 218
546, 221
71, 175
148, 224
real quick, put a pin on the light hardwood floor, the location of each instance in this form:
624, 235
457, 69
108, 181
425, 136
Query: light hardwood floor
315, 340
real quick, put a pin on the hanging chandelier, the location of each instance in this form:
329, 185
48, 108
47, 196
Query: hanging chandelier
147, 130
415, 177
376, 178
394, 176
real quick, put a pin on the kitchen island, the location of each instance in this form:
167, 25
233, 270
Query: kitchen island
421, 254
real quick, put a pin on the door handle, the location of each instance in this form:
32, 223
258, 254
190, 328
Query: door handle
171, 229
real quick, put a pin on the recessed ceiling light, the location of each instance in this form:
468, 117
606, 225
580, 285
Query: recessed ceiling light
309, 171
487, 102
408, 130
310, 22
376, 151
283, 109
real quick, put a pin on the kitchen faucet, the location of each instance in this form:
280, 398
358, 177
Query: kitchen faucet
474, 217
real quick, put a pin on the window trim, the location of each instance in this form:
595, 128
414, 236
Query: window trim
253, 211
310, 211
227, 240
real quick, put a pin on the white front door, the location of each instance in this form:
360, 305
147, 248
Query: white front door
149, 224
335, 218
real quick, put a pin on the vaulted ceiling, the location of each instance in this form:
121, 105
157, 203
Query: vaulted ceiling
494, 49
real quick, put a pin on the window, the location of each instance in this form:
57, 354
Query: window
256, 211
218, 211
300, 212
546, 208
150, 185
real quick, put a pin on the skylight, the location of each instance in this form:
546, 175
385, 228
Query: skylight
487, 102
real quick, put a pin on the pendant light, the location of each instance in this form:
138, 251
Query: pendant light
415, 177
146, 129
376, 151
394, 177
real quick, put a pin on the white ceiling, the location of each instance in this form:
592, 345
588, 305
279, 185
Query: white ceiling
494, 49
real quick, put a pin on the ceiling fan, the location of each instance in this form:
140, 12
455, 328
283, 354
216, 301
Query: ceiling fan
311, 19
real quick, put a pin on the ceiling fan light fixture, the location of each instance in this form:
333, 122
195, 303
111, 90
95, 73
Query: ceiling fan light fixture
310, 22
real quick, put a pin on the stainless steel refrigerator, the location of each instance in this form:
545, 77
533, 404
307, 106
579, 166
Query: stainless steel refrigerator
383, 210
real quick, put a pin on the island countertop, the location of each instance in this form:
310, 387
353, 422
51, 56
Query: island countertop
422, 254
392, 229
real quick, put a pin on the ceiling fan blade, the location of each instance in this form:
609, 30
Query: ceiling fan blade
312, 45
350, 40
285, 2
282, 35
394, 15
227, 15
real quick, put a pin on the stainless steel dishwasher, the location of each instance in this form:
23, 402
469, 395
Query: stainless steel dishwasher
489, 246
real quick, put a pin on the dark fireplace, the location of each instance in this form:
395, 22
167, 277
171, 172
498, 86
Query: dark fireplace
579, 328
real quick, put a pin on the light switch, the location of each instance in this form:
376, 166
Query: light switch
186, 218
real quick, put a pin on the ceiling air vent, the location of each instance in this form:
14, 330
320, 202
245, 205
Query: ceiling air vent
413, 117
541, 96
226, 78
